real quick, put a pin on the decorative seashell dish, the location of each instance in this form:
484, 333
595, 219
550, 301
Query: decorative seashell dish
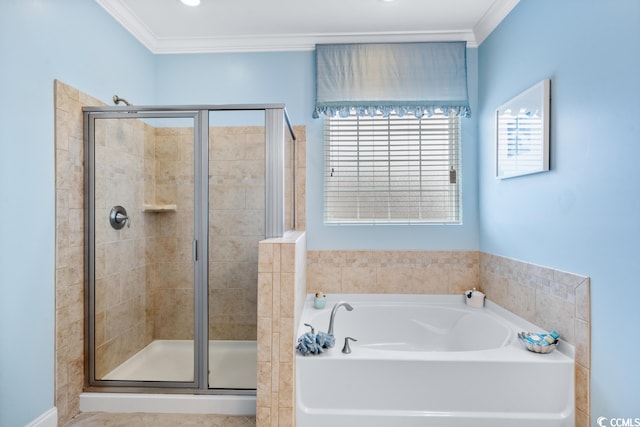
536, 348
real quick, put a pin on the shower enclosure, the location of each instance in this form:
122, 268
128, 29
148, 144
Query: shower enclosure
177, 200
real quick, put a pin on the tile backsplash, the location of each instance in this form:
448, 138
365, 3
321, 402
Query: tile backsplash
551, 299
403, 272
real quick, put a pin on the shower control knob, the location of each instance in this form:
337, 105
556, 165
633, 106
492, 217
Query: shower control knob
118, 218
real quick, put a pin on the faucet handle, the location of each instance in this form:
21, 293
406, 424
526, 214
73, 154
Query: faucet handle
347, 349
313, 331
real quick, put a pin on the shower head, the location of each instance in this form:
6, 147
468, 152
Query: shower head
117, 100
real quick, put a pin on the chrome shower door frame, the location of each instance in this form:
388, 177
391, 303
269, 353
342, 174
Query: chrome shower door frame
275, 121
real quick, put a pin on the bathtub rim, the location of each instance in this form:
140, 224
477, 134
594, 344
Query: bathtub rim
512, 349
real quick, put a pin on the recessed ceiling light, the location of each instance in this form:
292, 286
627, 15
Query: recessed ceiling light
191, 2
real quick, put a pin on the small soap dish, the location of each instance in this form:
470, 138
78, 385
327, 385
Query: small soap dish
536, 348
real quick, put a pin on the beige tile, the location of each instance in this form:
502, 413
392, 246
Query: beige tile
393, 279
431, 279
287, 291
331, 258
255, 195
582, 388
63, 406
263, 416
277, 258
264, 339
359, 259
65, 96
227, 196
275, 410
263, 393
583, 308
287, 257
324, 278
286, 417
275, 359
462, 278
582, 343
582, 419
287, 340
496, 288
358, 280
276, 307
285, 388
265, 257
265, 295
521, 300
569, 279
539, 275
301, 196
555, 313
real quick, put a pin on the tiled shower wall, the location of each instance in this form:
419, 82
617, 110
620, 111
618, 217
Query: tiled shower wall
236, 215
169, 187
162, 259
69, 351
236, 225
122, 303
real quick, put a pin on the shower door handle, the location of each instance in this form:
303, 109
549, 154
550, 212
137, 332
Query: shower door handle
194, 251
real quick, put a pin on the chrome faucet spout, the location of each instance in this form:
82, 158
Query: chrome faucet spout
333, 314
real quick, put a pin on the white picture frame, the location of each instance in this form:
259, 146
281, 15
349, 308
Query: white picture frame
522, 132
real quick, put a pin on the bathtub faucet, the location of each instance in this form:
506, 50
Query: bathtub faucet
333, 314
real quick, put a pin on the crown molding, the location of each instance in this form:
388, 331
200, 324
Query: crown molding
295, 42
494, 16
298, 42
130, 21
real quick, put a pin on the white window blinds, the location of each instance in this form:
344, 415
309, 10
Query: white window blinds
392, 169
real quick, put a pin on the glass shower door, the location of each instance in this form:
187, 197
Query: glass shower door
141, 235
236, 224
177, 202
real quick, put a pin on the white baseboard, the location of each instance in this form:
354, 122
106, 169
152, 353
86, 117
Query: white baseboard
48, 419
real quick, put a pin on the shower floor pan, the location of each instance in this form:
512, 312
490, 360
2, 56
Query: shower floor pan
232, 364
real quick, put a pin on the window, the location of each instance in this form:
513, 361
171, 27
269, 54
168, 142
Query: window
392, 170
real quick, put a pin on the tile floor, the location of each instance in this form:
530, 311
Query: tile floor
103, 419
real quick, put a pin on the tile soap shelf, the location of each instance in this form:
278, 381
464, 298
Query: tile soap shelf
158, 208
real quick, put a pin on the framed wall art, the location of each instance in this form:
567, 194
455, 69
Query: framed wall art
522, 132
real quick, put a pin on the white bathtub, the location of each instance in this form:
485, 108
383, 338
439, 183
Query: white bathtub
430, 361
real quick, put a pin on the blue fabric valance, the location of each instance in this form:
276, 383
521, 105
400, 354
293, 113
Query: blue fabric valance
405, 78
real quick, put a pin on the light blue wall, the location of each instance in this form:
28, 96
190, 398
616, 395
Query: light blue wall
77, 42
582, 216
290, 78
